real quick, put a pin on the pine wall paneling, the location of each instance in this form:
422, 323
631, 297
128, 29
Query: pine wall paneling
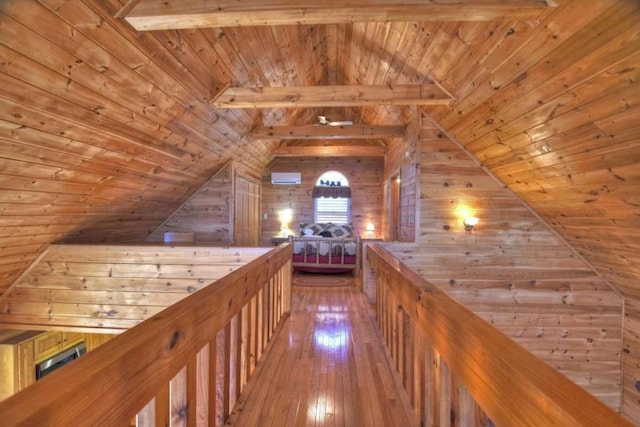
208, 213
513, 270
401, 161
104, 132
630, 356
365, 180
557, 123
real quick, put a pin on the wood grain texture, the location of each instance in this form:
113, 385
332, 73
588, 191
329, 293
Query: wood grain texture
207, 213
512, 270
331, 96
326, 367
328, 132
154, 15
364, 175
513, 386
105, 131
142, 361
113, 288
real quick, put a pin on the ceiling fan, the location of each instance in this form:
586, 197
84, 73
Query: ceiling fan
325, 121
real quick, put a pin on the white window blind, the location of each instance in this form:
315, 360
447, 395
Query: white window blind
332, 210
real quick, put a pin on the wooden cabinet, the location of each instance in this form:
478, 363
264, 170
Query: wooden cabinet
20, 351
16, 361
52, 343
94, 341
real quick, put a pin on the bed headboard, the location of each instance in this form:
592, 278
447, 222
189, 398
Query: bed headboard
324, 228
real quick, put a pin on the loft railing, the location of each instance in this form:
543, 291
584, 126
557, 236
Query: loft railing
184, 366
459, 370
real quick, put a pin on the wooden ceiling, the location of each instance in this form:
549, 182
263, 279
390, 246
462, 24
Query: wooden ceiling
105, 130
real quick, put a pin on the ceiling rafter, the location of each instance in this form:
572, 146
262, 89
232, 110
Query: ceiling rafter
146, 15
331, 96
327, 132
330, 151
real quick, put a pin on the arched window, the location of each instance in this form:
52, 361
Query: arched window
332, 198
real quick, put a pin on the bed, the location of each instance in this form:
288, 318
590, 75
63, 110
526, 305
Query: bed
325, 248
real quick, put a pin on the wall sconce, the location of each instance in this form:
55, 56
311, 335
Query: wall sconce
470, 222
370, 229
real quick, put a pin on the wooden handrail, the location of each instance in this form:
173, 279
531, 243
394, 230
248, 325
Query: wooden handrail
111, 384
511, 385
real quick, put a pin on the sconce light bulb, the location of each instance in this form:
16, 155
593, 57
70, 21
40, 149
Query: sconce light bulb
470, 222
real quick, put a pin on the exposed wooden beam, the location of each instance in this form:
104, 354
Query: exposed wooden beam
328, 132
331, 151
330, 96
176, 14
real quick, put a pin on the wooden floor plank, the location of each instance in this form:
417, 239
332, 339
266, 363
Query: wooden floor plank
327, 367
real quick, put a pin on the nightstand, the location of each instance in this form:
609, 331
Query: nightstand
278, 240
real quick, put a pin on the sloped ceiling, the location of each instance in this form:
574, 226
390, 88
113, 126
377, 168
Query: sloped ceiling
104, 130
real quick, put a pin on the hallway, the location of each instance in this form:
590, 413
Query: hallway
326, 367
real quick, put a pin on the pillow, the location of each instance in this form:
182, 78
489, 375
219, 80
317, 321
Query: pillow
326, 233
341, 230
307, 232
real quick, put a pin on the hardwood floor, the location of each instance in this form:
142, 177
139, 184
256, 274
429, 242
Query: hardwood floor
326, 367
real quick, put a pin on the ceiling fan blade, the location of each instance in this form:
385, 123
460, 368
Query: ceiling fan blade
341, 123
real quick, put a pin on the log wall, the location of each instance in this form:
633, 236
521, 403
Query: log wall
365, 180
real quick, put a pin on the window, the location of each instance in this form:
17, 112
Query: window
332, 198
333, 210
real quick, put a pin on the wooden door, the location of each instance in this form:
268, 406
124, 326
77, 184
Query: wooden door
394, 208
246, 226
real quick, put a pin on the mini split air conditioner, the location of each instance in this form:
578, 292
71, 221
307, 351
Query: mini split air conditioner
286, 178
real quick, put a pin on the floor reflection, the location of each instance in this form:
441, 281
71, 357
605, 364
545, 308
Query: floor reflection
332, 331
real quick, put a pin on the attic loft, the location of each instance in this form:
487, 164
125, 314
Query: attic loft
521, 113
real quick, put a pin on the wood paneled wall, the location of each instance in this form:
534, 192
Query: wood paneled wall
630, 357
177, 361
208, 213
104, 132
401, 161
513, 270
455, 366
365, 180
113, 287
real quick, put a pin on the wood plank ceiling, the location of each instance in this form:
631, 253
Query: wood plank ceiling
104, 130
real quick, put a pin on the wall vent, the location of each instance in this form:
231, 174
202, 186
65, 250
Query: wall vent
286, 178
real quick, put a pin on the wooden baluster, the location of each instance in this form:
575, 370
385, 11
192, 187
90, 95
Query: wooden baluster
227, 372
418, 373
468, 409
147, 416
444, 393
201, 413
259, 323
162, 407
400, 343
220, 389
251, 339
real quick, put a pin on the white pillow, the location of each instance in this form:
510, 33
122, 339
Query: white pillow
307, 232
